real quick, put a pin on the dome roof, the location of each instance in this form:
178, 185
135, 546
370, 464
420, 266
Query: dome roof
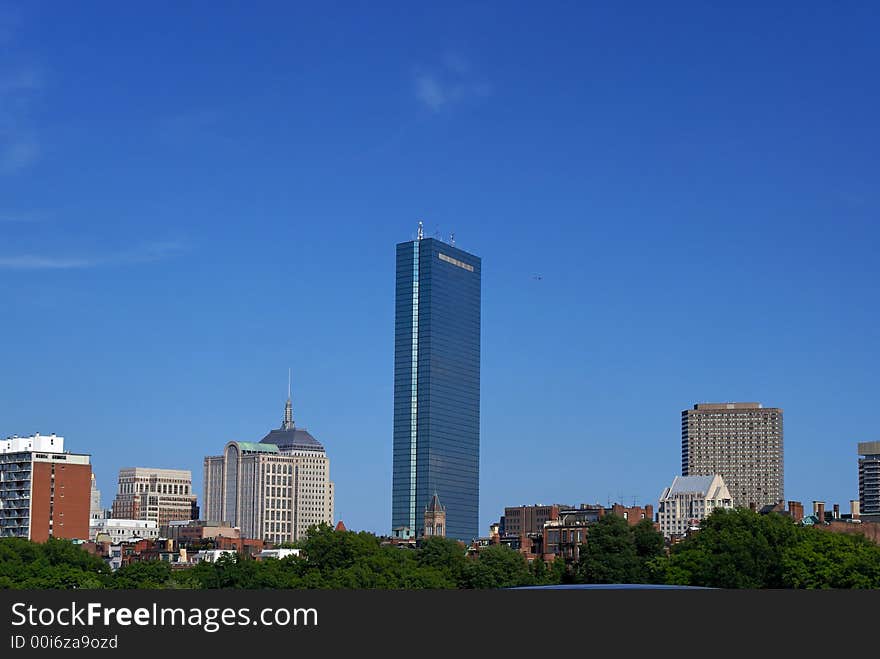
288, 437
292, 439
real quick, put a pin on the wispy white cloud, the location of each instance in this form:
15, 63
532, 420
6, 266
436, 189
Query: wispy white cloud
432, 93
33, 262
449, 84
147, 253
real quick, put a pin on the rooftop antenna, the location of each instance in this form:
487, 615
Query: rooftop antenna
421, 230
452, 238
288, 408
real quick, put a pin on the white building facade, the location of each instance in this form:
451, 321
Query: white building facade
34, 443
279, 554
122, 530
689, 500
44, 490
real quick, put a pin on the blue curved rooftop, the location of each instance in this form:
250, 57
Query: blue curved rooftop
295, 439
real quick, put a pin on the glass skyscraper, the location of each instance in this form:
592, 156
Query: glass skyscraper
437, 386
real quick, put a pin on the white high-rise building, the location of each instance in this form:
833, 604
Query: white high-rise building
274, 489
689, 500
44, 490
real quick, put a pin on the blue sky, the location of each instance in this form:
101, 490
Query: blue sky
194, 198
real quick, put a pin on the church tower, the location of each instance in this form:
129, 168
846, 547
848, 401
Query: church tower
435, 518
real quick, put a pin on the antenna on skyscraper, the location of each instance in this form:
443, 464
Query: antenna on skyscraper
421, 230
288, 407
452, 239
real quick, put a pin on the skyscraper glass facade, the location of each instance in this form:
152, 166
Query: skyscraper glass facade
437, 386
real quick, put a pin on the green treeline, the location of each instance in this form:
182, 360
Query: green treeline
733, 549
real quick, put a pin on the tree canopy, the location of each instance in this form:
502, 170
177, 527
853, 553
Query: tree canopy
732, 549
742, 549
616, 552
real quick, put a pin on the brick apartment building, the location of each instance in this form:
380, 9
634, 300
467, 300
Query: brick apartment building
558, 530
45, 492
525, 520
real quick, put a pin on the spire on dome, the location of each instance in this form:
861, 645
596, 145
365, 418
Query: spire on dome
288, 408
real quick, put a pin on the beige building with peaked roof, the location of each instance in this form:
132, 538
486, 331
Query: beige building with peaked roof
688, 501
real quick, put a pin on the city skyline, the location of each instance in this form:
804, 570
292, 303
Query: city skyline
611, 497
646, 188
288, 425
